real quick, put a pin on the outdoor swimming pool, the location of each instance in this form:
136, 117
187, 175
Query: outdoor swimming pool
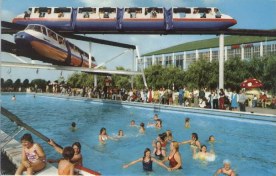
249, 144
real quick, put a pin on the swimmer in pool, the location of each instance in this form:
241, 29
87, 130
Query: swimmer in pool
194, 142
187, 123
155, 117
169, 136
132, 123
77, 158
203, 154
73, 126
147, 161
142, 128
158, 124
226, 169
174, 157
158, 152
13, 98
120, 133
103, 136
211, 139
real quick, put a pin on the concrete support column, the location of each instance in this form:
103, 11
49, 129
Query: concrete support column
197, 56
225, 53
145, 61
221, 61
89, 55
163, 60
261, 49
153, 60
95, 80
173, 60
184, 61
242, 52
211, 54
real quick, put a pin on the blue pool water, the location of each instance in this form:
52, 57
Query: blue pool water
249, 144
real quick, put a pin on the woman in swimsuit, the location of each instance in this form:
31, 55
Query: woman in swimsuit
169, 136
65, 167
159, 153
226, 170
77, 158
174, 157
194, 142
142, 128
103, 136
146, 161
33, 156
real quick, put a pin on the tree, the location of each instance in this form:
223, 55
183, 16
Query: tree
39, 84
26, 83
17, 84
8, 84
269, 78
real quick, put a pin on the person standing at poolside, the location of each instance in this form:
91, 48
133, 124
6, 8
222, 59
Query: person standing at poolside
174, 157
147, 161
33, 156
226, 169
241, 100
65, 166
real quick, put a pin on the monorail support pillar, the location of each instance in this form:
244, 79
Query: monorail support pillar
221, 61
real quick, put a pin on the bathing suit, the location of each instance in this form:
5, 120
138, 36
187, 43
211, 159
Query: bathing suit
163, 144
147, 166
32, 155
160, 156
173, 162
223, 171
104, 137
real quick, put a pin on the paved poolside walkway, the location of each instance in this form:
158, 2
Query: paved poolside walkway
261, 110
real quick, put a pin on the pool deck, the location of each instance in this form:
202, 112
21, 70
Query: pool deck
13, 149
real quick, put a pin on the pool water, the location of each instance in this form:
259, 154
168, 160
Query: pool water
250, 145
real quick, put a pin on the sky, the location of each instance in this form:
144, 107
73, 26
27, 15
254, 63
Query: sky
250, 14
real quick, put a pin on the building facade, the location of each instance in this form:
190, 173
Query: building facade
183, 59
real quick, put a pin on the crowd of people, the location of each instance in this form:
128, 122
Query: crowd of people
183, 96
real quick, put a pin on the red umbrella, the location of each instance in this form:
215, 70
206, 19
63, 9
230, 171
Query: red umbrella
251, 83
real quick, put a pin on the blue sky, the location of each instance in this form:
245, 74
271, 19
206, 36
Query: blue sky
250, 14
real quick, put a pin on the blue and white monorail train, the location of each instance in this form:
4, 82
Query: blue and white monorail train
41, 43
85, 19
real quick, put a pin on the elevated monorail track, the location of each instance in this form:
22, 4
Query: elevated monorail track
11, 28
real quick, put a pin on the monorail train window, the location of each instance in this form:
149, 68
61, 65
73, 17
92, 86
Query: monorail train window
28, 13
42, 11
60, 40
43, 30
182, 11
133, 11
217, 13
153, 11
52, 34
106, 11
37, 28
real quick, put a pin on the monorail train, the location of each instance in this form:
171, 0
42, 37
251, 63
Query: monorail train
50, 47
84, 19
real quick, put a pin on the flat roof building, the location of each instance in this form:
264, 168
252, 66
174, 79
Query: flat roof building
183, 55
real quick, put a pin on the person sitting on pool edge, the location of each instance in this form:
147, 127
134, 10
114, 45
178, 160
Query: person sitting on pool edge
65, 166
33, 156
226, 169
77, 158
146, 161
